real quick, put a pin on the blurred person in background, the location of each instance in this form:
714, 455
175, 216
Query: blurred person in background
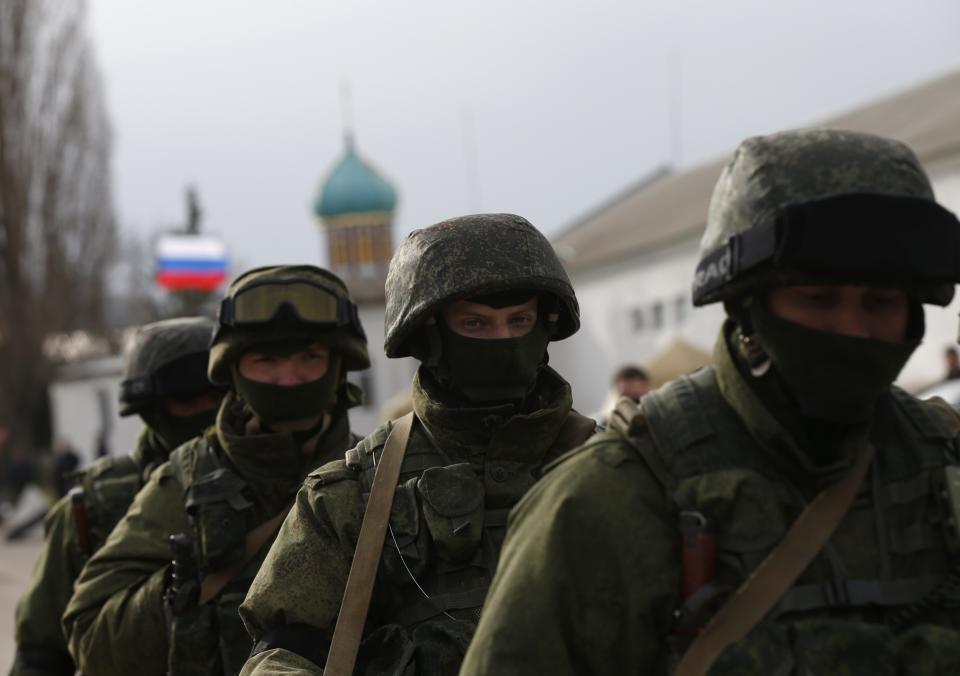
629, 381
952, 360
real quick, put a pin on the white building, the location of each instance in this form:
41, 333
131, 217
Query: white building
83, 401
631, 260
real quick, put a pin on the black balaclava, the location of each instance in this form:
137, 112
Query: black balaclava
831, 376
279, 403
491, 371
173, 430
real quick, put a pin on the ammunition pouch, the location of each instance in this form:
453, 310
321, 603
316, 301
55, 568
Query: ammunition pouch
412, 541
191, 650
219, 513
453, 509
204, 639
109, 487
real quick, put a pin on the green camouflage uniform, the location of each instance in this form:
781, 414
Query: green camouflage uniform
217, 489
590, 580
109, 487
466, 465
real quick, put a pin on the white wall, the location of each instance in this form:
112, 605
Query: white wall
76, 415
927, 364
620, 323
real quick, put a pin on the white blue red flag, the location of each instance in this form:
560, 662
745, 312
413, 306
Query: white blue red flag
191, 263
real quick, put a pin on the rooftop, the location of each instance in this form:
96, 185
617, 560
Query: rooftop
671, 207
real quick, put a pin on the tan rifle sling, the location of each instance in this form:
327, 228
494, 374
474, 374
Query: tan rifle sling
366, 558
772, 578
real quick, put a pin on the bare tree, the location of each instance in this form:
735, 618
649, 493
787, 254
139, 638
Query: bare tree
56, 219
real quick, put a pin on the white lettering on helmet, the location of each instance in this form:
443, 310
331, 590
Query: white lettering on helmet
714, 270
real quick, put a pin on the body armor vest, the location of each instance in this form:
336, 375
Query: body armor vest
210, 638
890, 554
447, 526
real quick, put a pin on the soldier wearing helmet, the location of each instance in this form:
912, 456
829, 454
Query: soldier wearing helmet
476, 300
165, 383
788, 510
161, 596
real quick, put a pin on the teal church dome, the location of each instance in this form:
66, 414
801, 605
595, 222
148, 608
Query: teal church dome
354, 187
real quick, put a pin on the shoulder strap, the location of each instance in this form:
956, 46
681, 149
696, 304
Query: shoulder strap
366, 557
214, 583
772, 578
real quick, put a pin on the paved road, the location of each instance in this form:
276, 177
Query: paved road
16, 564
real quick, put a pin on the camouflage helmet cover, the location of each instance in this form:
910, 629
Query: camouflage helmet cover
229, 342
465, 257
181, 344
770, 173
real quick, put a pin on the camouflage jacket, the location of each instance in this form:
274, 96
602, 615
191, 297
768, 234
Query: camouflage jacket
463, 470
215, 488
590, 576
110, 485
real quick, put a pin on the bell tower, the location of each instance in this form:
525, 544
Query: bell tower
355, 207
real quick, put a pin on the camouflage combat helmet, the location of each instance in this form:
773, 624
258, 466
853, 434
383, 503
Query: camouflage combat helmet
826, 205
284, 302
166, 359
467, 257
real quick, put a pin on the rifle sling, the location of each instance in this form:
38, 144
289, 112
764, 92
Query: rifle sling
772, 578
214, 583
366, 558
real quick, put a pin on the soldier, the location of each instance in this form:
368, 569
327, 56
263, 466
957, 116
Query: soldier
287, 336
476, 300
822, 245
165, 382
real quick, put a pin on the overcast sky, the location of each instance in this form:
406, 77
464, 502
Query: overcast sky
565, 103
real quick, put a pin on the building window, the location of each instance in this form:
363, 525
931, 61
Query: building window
656, 316
365, 245
636, 319
365, 383
680, 308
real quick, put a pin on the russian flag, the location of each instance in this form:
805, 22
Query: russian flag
191, 263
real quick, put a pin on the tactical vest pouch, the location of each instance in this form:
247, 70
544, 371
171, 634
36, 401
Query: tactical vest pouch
750, 512
453, 509
234, 642
194, 649
219, 511
405, 524
109, 501
949, 494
